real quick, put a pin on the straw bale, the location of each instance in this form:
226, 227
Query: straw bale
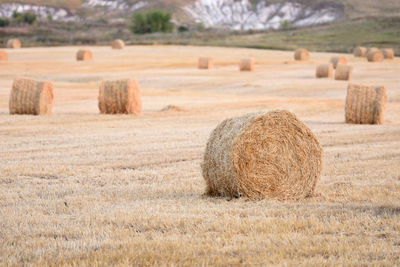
84, 55
338, 60
205, 63
262, 155
324, 71
343, 72
246, 64
301, 54
118, 44
13, 44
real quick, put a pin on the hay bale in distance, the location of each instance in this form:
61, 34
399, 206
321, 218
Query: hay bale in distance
360, 51
120, 97
246, 64
118, 44
365, 104
205, 63
338, 60
301, 54
3, 56
343, 72
31, 97
262, 155
84, 55
375, 56
14, 44
388, 53
324, 71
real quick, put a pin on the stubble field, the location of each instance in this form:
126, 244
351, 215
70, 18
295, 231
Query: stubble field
77, 187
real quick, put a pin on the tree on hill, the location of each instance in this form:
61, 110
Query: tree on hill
152, 21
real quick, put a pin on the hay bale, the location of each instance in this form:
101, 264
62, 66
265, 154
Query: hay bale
262, 155
371, 49
360, 51
3, 56
343, 72
84, 55
14, 44
375, 56
205, 63
301, 54
388, 53
338, 60
118, 44
246, 64
324, 71
120, 97
365, 104
31, 97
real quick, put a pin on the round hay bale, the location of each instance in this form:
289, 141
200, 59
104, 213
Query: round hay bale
205, 63
371, 49
118, 44
31, 97
14, 44
360, 51
343, 72
388, 53
262, 155
324, 71
3, 56
84, 55
338, 60
246, 64
365, 104
120, 97
301, 54
375, 56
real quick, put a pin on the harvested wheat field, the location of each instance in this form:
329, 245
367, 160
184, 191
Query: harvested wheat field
83, 188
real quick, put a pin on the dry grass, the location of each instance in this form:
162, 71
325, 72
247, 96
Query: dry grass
82, 188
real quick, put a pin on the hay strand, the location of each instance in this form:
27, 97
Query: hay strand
3, 56
14, 44
84, 55
118, 44
301, 54
262, 155
31, 97
343, 72
338, 60
205, 63
360, 51
324, 71
365, 104
246, 64
120, 97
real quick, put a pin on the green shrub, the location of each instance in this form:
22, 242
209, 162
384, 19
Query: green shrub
28, 17
4, 22
152, 21
183, 28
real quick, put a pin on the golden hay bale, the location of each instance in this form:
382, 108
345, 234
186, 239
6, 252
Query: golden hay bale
375, 56
120, 97
365, 104
343, 72
388, 53
301, 54
360, 51
262, 155
3, 56
205, 63
246, 64
84, 55
324, 71
14, 44
118, 44
371, 49
31, 97
338, 60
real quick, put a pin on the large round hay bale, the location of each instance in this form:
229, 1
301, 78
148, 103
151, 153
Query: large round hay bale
31, 97
375, 56
205, 63
262, 155
120, 97
3, 56
246, 64
343, 72
338, 60
388, 53
324, 71
365, 104
84, 55
13, 44
118, 44
360, 51
301, 54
